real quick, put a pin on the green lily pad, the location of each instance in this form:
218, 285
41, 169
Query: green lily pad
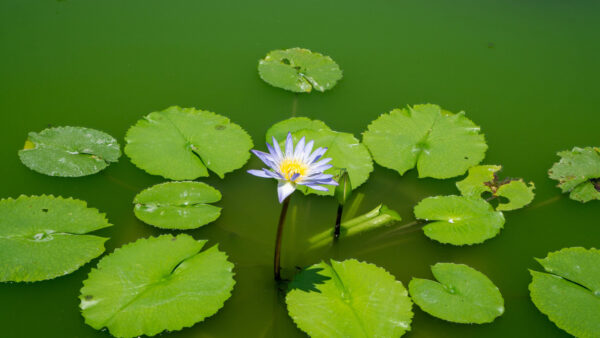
69, 151
178, 205
578, 173
569, 294
440, 144
484, 178
459, 220
345, 150
349, 299
183, 143
156, 284
461, 295
299, 70
44, 237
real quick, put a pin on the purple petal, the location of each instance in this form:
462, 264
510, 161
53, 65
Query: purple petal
299, 148
316, 155
266, 158
258, 173
289, 145
295, 176
317, 187
277, 148
273, 174
284, 189
308, 149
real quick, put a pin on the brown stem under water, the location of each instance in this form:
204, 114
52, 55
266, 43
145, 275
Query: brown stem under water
338, 222
277, 259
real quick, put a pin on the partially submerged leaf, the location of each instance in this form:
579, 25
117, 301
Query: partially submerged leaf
578, 173
69, 151
349, 299
178, 205
183, 143
156, 284
459, 220
299, 70
43, 237
440, 144
344, 149
478, 180
518, 193
461, 295
569, 294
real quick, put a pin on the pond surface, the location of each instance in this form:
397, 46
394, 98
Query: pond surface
525, 71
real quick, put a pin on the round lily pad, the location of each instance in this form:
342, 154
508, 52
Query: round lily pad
578, 173
349, 299
461, 295
459, 220
569, 293
299, 70
43, 237
183, 143
156, 284
440, 144
177, 205
69, 151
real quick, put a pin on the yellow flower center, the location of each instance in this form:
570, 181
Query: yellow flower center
290, 167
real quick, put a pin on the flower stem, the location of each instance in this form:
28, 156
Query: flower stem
338, 221
276, 264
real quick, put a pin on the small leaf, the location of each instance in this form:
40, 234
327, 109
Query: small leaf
479, 180
440, 144
178, 205
569, 294
344, 189
43, 237
459, 220
344, 149
349, 299
518, 193
156, 284
183, 143
299, 70
69, 151
461, 295
578, 172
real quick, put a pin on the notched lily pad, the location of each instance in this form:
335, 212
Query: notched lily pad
44, 237
349, 299
69, 151
484, 178
178, 205
459, 220
461, 295
299, 70
569, 293
440, 144
578, 173
156, 284
183, 143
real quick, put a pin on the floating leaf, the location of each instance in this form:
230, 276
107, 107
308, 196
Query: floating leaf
156, 284
461, 295
178, 205
459, 220
69, 151
344, 149
569, 294
484, 178
181, 143
349, 299
299, 70
578, 172
43, 237
440, 144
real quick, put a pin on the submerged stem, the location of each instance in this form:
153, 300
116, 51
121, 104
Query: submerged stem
276, 264
338, 221
295, 105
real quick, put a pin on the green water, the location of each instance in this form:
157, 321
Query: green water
526, 71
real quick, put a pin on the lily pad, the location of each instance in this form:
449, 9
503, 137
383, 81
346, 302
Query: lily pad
69, 151
178, 205
569, 294
183, 143
459, 220
156, 284
578, 173
461, 295
349, 299
299, 70
345, 151
44, 237
484, 178
440, 144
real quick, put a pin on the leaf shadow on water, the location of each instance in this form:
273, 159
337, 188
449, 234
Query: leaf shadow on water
307, 280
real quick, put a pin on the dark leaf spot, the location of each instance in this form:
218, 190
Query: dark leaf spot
89, 297
44, 210
219, 127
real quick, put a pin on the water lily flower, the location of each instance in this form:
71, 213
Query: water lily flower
299, 166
